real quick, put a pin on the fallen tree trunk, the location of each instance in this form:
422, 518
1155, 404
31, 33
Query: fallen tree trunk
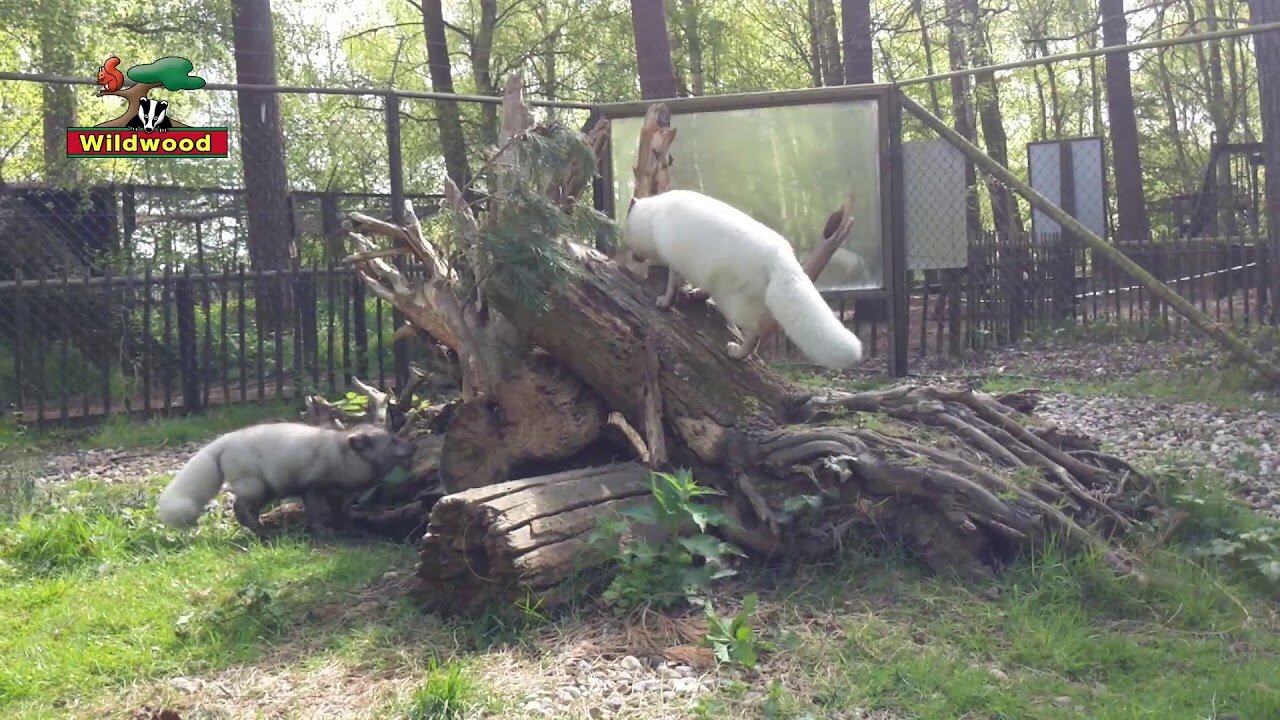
523, 538
964, 479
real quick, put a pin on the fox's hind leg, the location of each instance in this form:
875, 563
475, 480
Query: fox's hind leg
673, 284
316, 503
247, 508
750, 341
743, 350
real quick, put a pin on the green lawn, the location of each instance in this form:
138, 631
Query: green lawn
100, 606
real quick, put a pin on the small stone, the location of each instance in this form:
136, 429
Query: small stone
631, 663
1062, 701
668, 695
185, 684
668, 673
999, 674
685, 685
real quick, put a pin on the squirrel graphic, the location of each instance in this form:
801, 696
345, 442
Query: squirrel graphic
109, 77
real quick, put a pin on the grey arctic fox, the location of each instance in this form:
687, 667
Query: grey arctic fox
265, 462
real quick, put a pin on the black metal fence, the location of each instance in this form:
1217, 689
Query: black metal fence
183, 339
135, 296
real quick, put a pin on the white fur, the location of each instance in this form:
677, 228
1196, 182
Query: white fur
746, 268
261, 462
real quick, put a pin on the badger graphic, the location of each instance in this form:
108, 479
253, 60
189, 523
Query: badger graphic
152, 116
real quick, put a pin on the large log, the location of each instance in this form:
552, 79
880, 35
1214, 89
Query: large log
520, 538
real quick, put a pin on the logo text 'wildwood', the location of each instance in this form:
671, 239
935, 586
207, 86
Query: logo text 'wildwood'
127, 142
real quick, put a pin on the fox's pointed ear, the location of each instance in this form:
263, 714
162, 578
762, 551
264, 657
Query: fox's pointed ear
360, 442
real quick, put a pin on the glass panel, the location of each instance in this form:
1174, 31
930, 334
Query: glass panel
787, 167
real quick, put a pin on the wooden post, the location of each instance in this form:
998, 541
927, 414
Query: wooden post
184, 300
399, 347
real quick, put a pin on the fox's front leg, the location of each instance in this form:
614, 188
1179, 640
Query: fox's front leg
673, 284
338, 510
743, 350
316, 503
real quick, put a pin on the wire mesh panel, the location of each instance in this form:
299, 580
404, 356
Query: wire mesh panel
788, 163
1027, 276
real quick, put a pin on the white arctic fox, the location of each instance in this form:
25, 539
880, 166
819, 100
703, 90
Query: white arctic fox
746, 268
261, 463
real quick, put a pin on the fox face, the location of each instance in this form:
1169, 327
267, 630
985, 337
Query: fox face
381, 448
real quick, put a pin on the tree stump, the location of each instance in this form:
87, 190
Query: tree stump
964, 479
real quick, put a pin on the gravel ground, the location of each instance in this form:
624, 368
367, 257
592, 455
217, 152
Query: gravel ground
1074, 361
1242, 445
115, 466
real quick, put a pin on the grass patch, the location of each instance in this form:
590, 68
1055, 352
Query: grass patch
123, 432
1053, 638
96, 595
446, 693
120, 432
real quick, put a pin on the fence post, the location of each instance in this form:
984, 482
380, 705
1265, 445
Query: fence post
896, 265
1061, 257
331, 227
398, 347
360, 327
129, 211
184, 300
19, 336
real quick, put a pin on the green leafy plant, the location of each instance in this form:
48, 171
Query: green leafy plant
249, 611
682, 566
353, 402
1214, 524
731, 639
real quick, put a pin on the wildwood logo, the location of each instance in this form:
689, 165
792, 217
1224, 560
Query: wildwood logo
146, 129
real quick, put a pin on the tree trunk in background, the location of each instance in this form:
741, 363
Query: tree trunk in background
917, 7
1130, 204
653, 50
481, 67
815, 46
693, 38
551, 71
1267, 48
453, 143
1188, 181
856, 35
57, 27
262, 152
1004, 206
1221, 112
829, 39
963, 112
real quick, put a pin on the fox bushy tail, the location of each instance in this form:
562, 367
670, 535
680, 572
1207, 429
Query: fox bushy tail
186, 496
807, 319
